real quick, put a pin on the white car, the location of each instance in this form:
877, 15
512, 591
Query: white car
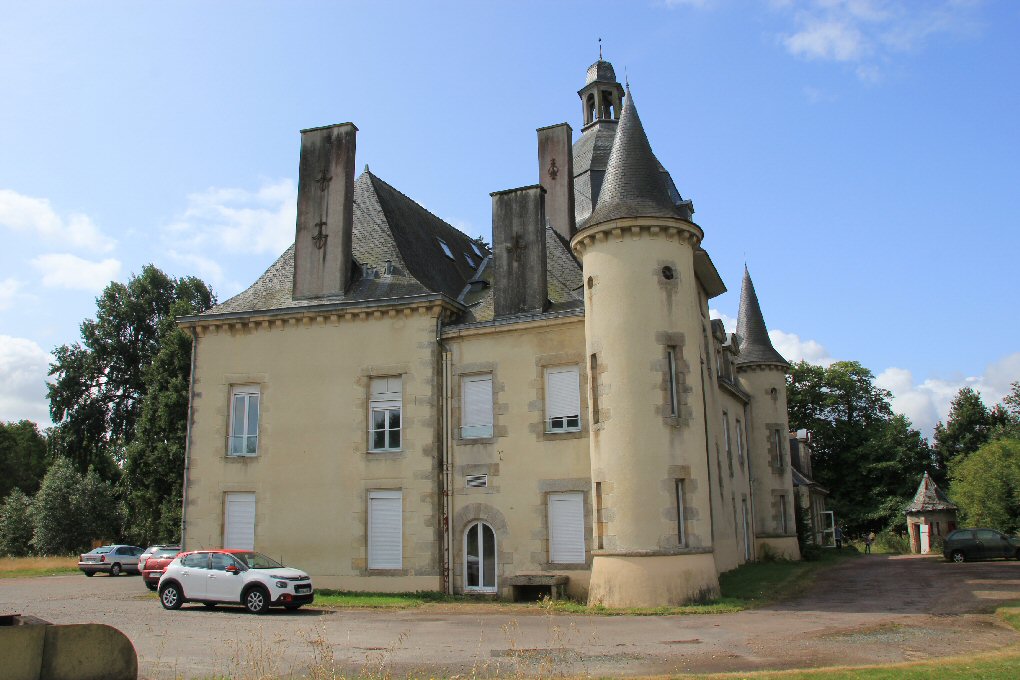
233, 577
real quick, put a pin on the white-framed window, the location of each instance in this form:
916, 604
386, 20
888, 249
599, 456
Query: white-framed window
385, 529
562, 399
478, 251
476, 406
566, 528
244, 420
681, 530
239, 521
446, 248
480, 558
384, 414
674, 401
726, 439
471, 263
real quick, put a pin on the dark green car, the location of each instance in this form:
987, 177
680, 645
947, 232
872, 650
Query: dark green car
964, 545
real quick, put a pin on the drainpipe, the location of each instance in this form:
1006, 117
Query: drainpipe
446, 455
187, 439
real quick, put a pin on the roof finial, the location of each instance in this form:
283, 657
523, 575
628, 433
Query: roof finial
600, 49
626, 78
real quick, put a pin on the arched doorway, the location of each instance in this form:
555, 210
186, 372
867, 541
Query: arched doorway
479, 558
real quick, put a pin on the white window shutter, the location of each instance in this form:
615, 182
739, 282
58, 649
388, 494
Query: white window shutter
563, 393
476, 413
385, 530
239, 521
566, 528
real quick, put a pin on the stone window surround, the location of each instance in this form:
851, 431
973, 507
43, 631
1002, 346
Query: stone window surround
543, 362
230, 381
363, 404
676, 341
777, 458
463, 517
546, 487
457, 374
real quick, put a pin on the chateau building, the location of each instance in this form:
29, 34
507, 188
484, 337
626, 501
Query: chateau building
393, 406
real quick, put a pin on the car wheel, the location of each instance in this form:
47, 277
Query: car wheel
171, 596
115, 570
150, 586
90, 573
292, 607
210, 605
256, 601
958, 556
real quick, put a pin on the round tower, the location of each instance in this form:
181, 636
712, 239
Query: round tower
644, 325
761, 371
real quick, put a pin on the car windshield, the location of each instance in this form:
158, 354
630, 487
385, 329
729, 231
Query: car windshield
104, 549
254, 560
166, 552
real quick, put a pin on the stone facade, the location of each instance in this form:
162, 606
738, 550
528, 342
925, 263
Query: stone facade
397, 407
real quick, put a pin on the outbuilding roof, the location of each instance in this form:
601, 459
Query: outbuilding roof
930, 497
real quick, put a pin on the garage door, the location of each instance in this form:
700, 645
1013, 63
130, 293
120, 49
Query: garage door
239, 521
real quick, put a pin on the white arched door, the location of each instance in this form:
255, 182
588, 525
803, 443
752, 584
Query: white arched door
479, 558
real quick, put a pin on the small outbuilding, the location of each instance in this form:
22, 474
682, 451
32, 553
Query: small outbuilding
931, 515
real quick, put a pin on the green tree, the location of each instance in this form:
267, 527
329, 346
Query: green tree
968, 427
16, 524
99, 383
72, 510
868, 458
986, 486
23, 457
154, 469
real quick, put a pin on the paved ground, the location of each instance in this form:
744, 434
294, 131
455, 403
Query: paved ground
875, 609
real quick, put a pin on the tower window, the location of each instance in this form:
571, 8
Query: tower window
667, 273
674, 405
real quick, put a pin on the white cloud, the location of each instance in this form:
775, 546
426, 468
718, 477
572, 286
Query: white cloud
35, 216
23, 369
238, 220
794, 348
9, 288
869, 33
62, 270
928, 402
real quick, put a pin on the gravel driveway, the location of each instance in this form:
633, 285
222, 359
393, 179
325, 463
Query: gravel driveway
870, 610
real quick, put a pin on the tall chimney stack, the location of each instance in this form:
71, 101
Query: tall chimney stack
518, 247
556, 175
325, 211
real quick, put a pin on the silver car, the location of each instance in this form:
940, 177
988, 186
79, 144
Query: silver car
112, 559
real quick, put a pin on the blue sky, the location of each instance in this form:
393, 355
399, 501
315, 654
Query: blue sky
859, 155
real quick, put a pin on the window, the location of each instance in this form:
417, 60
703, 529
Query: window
471, 263
777, 449
385, 530
674, 406
480, 558
220, 561
244, 420
384, 414
562, 400
478, 251
681, 530
196, 561
593, 384
566, 528
239, 521
476, 406
446, 248
726, 439
740, 443
600, 526
782, 514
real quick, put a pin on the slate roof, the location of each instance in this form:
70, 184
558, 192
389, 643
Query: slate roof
387, 226
930, 497
633, 184
755, 345
600, 70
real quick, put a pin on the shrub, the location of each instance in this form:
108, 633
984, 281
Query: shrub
892, 542
16, 524
70, 511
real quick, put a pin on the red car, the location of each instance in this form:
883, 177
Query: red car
155, 565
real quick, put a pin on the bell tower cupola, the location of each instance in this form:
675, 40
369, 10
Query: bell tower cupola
602, 96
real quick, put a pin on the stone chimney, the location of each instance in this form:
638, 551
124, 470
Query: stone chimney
556, 175
325, 211
518, 247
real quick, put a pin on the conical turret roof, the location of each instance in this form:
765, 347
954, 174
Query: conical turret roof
930, 497
755, 345
633, 186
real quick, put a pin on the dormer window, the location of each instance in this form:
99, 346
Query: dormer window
471, 263
446, 248
478, 251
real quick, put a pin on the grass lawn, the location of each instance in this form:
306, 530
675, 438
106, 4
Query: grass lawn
20, 567
750, 585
